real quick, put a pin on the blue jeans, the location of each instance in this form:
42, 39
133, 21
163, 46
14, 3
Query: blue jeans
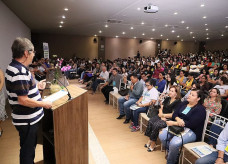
210, 159
174, 143
96, 83
135, 115
124, 106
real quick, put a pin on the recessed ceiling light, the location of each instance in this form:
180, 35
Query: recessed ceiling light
66, 9
143, 34
95, 35
222, 35
151, 38
100, 31
172, 31
106, 25
63, 17
142, 23
207, 38
187, 28
138, 8
182, 22
202, 5
226, 17
178, 36
60, 26
134, 37
204, 17
193, 37
123, 33
175, 13
167, 39
207, 29
182, 40
117, 36
132, 28
61, 22
226, 26
191, 32
207, 34
153, 29
205, 24
166, 25
161, 35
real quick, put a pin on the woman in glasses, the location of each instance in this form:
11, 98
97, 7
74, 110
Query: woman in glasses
149, 96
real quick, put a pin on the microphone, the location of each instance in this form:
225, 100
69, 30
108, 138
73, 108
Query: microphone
68, 93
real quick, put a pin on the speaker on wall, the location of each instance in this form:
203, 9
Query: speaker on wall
140, 41
95, 40
174, 43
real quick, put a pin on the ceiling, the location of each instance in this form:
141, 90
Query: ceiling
88, 17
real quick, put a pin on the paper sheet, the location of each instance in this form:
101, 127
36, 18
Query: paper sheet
56, 96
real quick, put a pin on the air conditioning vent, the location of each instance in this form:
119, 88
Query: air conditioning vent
114, 21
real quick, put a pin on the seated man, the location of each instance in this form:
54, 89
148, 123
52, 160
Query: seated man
220, 156
135, 93
101, 79
113, 81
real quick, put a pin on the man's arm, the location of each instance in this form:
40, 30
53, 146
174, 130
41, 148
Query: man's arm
26, 101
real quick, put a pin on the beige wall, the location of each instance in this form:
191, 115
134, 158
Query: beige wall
123, 48
180, 47
68, 45
219, 44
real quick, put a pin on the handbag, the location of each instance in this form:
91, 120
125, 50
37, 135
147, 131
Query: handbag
176, 129
123, 92
153, 111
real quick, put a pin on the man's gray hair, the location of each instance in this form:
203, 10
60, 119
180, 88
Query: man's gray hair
19, 46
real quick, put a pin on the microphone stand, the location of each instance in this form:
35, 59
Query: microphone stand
68, 93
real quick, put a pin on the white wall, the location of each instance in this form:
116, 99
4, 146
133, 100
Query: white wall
10, 28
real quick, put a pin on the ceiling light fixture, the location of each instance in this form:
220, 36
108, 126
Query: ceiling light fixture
100, 31
222, 35
134, 37
95, 35
166, 25
60, 26
207, 34
175, 13
226, 26
202, 5
207, 29
182, 22
106, 26
117, 36
138, 8
193, 37
172, 31
151, 38
61, 22
63, 17
187, 28
142, 23
132, 28
66, 9
143, 34
153, 29
204, 17
167, 39
123, 33
191, 32
205, 24
207, 38
178, 36
161, 35
182, 40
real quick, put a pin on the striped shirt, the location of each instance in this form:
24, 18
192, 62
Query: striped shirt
20, 82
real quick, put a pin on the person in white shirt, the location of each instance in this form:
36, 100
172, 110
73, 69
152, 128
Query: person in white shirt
101, 79
223, 87
149, 97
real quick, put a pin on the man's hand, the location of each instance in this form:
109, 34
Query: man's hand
42, 84
47, 105
132, 86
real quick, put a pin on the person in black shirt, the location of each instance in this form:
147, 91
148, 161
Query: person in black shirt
165, 112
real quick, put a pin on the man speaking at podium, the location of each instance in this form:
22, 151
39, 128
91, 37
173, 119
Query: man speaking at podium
24, 98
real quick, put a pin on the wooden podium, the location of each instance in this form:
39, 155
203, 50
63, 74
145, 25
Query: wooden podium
65, 129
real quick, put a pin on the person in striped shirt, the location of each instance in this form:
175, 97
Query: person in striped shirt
24, 98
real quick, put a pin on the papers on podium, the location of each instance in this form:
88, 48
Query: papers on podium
56, 96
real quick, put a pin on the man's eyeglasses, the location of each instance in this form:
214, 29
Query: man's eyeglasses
147, 85
32, 51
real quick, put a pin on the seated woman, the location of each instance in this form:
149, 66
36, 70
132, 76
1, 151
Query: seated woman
204, 85
191, 115
223, 87
188, 85
149, 96
194, 86
170, 81
213, 79
181, 79
156, 123
160, 83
